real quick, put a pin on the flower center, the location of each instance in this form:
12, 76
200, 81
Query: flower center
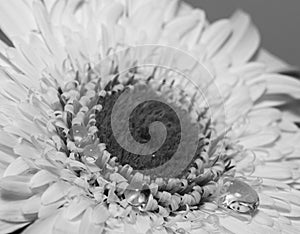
141, 139
142, 116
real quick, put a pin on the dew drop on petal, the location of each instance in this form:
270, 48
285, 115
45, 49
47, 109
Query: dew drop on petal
91, 153
90, 160
79, 133
181, 231
133, 197
137, 197
240, 197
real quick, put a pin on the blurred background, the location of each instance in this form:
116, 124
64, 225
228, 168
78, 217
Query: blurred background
278, 22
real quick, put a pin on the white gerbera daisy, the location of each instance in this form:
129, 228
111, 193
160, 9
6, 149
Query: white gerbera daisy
90, 89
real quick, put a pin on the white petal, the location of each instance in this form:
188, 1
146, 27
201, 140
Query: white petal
42, 19
15, 186
263, 219
31, 205
236, 226
10, 227
244, 41
257, 90
266, 116
11, 211
55, 192
63, 225
100, 214
7, 139
16, 18
17, 167
6, 158
268, 154
46, 211
288, 126
44, 226
76, 208
171, 10
275, 183
216, 35
89, 227
262, 138
281, 84
181, 25
247, 46
249, 71
27, 150
274, 64
272, 100
272, 173
42, 178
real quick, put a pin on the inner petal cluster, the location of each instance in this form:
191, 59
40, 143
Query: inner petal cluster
86, 130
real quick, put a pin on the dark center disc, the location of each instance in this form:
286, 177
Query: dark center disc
140, 119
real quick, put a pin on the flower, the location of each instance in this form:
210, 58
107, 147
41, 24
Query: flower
73, 63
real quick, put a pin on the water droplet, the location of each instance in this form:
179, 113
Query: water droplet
181, 231
79, 133
137, 197
240, 197
90, 160
91, 151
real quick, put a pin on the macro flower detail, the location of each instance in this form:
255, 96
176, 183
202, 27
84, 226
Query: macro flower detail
240, 197
131, 116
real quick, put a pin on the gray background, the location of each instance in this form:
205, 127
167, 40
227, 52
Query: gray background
277, 20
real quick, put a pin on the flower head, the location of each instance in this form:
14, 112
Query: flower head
142, 117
